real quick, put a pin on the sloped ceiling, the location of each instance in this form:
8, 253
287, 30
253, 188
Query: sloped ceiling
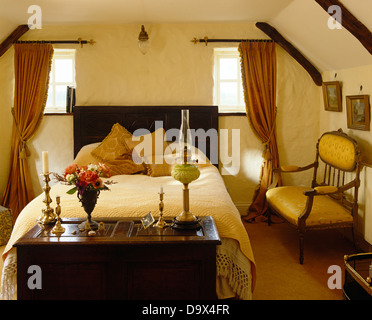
302, 22
305, 24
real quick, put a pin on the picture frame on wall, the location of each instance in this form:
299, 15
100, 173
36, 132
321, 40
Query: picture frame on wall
332, 96
358, 112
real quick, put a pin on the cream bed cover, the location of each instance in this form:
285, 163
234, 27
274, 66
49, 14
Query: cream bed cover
135, 196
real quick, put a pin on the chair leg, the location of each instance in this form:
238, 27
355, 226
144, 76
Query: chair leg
302, 238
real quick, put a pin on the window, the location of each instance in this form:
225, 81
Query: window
62, 75
228, 89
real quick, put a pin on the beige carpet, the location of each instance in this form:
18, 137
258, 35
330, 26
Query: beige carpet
279, 274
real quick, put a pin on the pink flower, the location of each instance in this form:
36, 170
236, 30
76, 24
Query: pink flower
88, 176
71, 169
104, 168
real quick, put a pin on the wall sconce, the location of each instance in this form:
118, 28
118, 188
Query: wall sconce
143, 41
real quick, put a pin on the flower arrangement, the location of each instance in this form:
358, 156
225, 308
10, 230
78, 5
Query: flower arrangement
85, 178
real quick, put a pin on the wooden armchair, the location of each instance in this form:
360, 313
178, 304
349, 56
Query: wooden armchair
330, 203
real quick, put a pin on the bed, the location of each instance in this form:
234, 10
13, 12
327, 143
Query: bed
134, 194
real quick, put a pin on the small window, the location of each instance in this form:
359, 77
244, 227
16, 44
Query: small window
62, 76
228, 89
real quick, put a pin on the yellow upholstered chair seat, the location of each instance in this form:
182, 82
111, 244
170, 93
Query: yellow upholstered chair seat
290, 202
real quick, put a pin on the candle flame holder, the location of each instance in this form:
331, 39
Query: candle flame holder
161, 224
58, 229
48, 216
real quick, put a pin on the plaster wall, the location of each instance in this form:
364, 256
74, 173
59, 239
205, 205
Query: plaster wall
174, 72
351, 81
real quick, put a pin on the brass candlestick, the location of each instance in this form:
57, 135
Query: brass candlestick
48, 216
161, 223
58, 229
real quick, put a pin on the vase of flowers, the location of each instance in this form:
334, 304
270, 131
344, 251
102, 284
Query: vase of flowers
88, 184
88, 201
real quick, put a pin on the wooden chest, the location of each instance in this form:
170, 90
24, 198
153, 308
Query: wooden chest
125, 261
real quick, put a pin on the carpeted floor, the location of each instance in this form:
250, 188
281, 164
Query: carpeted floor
279, 274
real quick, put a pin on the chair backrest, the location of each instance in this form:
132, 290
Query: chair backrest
338, 150
340, 154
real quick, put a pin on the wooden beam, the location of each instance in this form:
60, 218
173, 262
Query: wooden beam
350, 22
13, 37
287, 46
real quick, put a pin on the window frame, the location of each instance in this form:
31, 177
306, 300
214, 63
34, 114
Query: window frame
60, 54
231, 52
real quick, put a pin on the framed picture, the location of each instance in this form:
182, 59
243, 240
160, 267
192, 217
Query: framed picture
332, 96
358, 113
147, 220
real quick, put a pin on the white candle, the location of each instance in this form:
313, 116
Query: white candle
161, 189
45, 162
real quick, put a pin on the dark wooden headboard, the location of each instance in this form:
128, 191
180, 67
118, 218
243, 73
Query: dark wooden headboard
94, 123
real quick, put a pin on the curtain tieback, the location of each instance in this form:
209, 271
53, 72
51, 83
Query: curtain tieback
25, 152
267, 153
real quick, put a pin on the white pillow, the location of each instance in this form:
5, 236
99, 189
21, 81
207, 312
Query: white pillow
84, 157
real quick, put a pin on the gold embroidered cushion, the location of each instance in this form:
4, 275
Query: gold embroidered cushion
124, 165
337, 151
159, 165
148, 144
113, 145
290, 202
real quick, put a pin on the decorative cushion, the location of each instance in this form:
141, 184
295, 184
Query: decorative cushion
113, 145
124, 165
6, 225
338, 151
290, 202
159, 165
84, 156
148, 143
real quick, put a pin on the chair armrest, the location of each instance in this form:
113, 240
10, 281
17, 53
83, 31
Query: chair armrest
328, 190
322, 190
317, 191
289, 168
285, 169
297, 168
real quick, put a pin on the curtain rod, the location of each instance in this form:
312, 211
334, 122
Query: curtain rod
78, 41
206, 40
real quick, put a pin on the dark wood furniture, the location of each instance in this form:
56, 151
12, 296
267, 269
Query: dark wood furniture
93, 123
125, 261
358, 278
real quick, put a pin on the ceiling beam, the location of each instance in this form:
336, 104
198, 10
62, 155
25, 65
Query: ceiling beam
13, 37
287, 46
350, 22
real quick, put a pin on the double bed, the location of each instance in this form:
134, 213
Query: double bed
136, 193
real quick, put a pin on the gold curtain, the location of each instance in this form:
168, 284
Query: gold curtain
258, 63
32, 64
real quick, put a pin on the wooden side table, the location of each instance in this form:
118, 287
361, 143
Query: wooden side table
124, 261
358, 280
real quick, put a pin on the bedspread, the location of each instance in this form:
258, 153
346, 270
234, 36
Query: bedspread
135, 196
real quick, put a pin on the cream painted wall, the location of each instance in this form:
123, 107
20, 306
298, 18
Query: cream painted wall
174, 72
351, 80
